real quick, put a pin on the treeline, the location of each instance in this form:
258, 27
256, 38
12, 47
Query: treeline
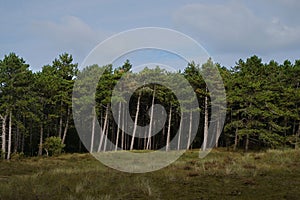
262, 107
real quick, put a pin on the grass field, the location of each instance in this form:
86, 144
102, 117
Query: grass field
266, 175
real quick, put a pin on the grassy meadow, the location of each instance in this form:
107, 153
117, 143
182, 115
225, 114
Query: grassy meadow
273, 174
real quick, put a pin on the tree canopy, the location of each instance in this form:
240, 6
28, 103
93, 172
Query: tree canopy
263, 108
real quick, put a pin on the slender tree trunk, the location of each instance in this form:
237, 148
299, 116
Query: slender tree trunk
218, 132
122, 131
190, 130
151, 120
9, 135
93, 130
104, 129
180, 130
145, 139
205, 135
162, 140
60, 120
169, 129
236, 139
105, 140
126, 135
247, 143
67, 126
118, 128
41, 140
3, 148
135, 121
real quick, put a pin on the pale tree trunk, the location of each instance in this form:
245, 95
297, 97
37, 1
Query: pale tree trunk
180, 130
190, 130
126, 135
118, 128
163, 135
205, 123
135, 121
93, 130
122, 131
105, 140
151, 120
41, 140
218, 132
169, 130
148, 143
104, 129
247, 143
3, 137
9, 135
67, 126
152, 145
145, 138
236, 138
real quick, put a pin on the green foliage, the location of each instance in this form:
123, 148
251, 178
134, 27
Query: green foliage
263, 101
53, 146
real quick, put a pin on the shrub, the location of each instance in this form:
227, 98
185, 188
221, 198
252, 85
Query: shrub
53, 146
17, 156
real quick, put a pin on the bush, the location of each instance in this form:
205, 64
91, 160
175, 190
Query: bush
17, 156
53, 146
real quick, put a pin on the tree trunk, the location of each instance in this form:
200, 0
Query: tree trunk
9, 135
67, 126
93, 130
205, 135
190, 130
40, 153
236, 138
104, 129
3, 148
135, 121
118, 128
105, 140
180, 130
247, 143
60, 121
151, 120
218, 132
122, 131
169, 130
145, 139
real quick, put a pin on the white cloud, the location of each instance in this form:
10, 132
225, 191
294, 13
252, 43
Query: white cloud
234, 27
70, 33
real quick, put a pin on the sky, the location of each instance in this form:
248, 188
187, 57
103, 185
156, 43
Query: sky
39, 31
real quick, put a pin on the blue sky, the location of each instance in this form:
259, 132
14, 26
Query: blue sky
39, 31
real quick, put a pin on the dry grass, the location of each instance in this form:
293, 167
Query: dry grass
272, 174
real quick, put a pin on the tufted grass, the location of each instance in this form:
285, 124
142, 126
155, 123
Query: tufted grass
273, 174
